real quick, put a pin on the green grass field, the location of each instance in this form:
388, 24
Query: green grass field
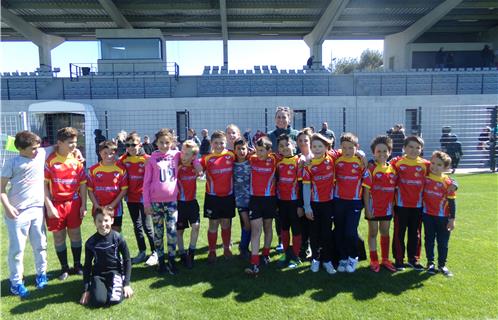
224, 291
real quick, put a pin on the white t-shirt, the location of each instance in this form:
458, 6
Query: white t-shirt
26, 179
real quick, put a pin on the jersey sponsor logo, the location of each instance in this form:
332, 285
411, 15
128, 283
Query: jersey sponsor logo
227, 157
228, 162
128, 164
391, 175
314, 169
116, 174
326, 161
378, 175
418, 168
355, 165
340, 164
99, 175
57, 166
212, 160
328, 167
141, 165
439, 185
354, 171
73, 173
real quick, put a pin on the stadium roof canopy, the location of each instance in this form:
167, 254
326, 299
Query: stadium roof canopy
467, 21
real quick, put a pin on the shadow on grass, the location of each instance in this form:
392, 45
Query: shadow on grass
55, 293
227, 277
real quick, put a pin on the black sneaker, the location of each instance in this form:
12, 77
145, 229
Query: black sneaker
161, 266
400, 266
78, 269
64, 274
252, 270
431, 268
183, 259
445, 271
171, 267
265, 260
415, 265
189, 261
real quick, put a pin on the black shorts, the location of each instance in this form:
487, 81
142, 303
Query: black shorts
188, 214
262, 207
383, 218
118, 221
242, 209
219, 207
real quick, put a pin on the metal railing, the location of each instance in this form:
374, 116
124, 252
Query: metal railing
117, 69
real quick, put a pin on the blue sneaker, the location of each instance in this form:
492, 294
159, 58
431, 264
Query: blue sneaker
279, 248
19, 290
41, 281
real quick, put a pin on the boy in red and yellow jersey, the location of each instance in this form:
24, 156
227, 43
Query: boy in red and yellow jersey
188, 208
219, 202
349, 172
411, 169
108, 183
263, 202
289, 173
65, 198
134, 162
438, 212
318, 191
379, 187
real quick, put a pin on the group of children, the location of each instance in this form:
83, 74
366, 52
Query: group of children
317, 195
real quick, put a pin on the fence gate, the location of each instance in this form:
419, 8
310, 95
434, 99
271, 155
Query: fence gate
471, 128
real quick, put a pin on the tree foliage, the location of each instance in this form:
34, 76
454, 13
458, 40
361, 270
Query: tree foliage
369, 60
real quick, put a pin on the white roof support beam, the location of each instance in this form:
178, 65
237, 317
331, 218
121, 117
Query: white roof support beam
224, 30
115, 14
45, 42
397, 54
317, 36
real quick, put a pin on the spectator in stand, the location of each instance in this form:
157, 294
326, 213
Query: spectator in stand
397, 134
483, 145
205, 147
487, 57
329, 134
440, 58
309, 63
148, 147
192, 135
99, 137
451, 145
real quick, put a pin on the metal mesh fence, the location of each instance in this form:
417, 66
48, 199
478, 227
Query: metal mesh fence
471, 128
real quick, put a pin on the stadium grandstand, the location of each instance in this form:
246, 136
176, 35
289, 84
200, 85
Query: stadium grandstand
133, 86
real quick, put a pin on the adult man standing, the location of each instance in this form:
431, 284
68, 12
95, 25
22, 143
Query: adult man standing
327, 133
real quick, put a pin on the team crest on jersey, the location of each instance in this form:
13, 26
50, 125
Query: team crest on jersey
402, 168
439, 185
418, 169
73, 173
355, 165
289, 172
326, 161
140, 170
416, 174
115, 180
354, 171
340, 164
128, 164
212, 160
99, 175
141, 165
116, 174
328, 167
391, 175
378, 175
291, 167
391, 181
57, 166
314, 169
227, 157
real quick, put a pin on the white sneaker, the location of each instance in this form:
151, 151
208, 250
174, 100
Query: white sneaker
342, 265
315, 265
351, 266
152, 260
329, 267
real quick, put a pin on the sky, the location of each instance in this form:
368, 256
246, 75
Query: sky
191, 56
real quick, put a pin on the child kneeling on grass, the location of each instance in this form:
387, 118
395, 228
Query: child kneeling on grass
106, 259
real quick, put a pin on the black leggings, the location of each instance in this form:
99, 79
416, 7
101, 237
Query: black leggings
287, 210
106, 289
140, 222
321, 230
